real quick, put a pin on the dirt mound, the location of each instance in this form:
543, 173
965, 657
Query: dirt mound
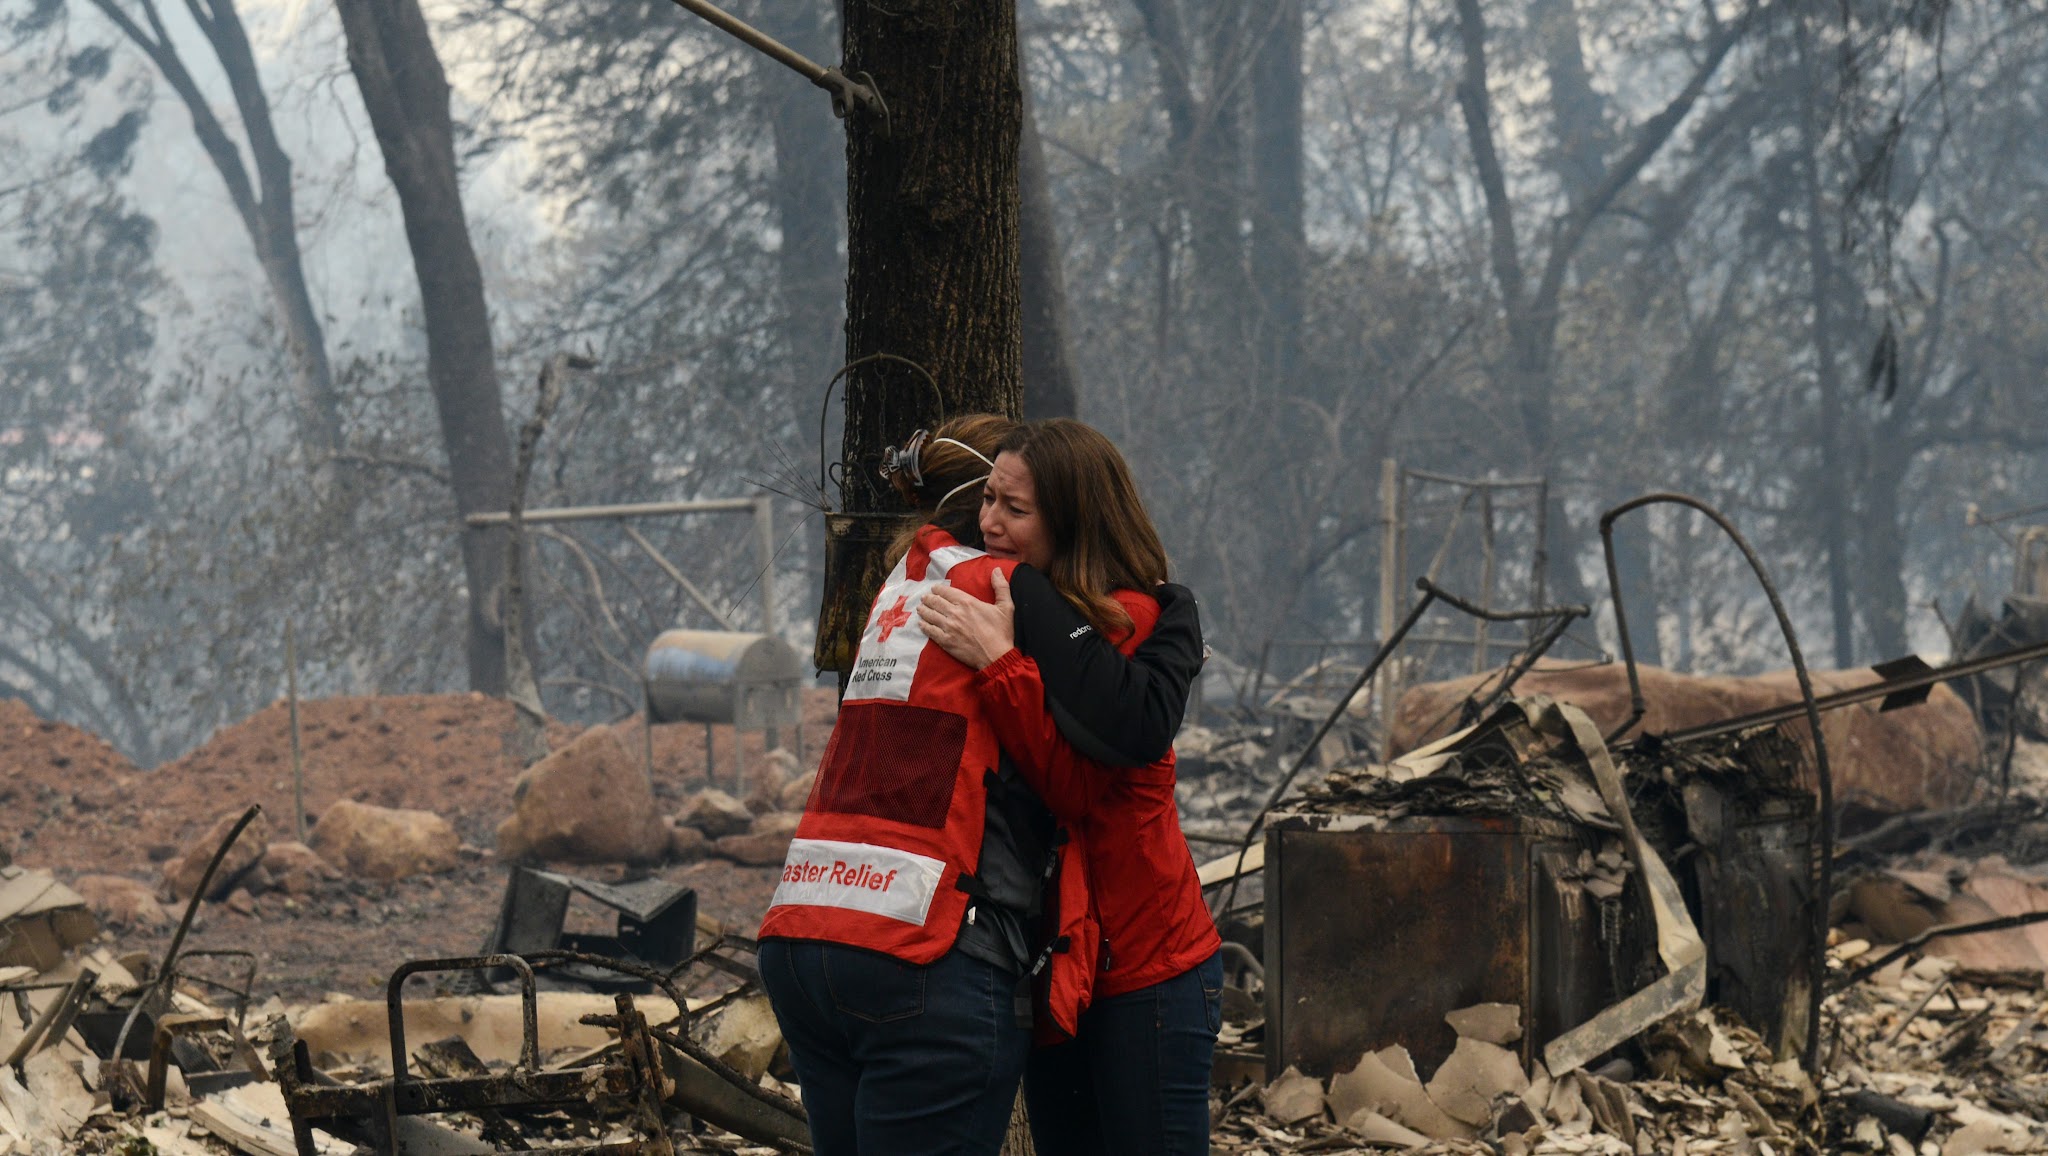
72, 804
48, 771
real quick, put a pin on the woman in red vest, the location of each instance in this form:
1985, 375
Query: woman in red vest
1135, 1082
899, 948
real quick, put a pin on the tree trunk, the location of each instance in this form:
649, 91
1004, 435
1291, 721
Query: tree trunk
1050, 386
931, 222
406, 95
1577, 112
931, 245
810, 173
1884, 553
1279, 239
1830, 486
1213, 171
264, 204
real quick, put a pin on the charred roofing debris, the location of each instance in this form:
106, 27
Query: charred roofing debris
1550, 907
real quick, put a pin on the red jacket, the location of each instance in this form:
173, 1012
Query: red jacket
1154, 923
897, 814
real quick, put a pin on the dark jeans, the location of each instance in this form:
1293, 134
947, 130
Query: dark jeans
895, 1059
1135, 1081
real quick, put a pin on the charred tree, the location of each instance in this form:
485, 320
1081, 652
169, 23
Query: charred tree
932, 294
931, 218
406, 95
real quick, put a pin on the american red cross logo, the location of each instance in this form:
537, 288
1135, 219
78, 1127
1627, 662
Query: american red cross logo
894, 617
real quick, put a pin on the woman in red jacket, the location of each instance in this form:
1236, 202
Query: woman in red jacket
897, 947
1136, 1079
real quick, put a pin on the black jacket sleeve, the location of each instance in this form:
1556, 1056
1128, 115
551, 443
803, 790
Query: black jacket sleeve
1123, 712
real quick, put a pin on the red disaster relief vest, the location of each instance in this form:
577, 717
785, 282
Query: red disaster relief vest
895, 819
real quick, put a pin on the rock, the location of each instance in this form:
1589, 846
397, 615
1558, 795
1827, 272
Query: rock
297, 869
767, 778
716, 813
121, 901
587, 803
798, 792
1293, 1097
782, 823
183, 872
1489, 1023
765, 850
257, 879
241, 902
686, 844
384, 844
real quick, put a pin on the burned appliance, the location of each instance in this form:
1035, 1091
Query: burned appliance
657, 926
1521, 863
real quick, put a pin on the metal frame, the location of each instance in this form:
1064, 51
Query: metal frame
376, 1108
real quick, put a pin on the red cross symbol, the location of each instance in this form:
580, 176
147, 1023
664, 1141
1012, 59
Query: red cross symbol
894, 617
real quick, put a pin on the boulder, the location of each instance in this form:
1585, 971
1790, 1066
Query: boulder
716, 813
686, 844
297, 869
120, 901
589, 802
783, 823
184, 870
384, 844
798, 793
766, 779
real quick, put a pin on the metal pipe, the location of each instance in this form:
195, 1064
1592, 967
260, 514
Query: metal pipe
629, 510
166, 969
1825, 817
764, 545
1881, 689
679, 578
845, 92
1476, 483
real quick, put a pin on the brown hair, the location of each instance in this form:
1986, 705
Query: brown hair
1102, 537
944, 467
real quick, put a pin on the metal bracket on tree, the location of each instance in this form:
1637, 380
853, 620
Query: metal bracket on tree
848, 92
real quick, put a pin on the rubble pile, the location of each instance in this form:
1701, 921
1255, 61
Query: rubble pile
1923, 1063
1886, 761
1711, 1086
104, 1054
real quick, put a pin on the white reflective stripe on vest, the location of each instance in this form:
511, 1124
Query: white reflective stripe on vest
860, 877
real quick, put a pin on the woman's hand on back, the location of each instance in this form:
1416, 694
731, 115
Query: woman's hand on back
974, 632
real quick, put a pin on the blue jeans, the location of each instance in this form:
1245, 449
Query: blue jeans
1135, 1081
895, 1059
